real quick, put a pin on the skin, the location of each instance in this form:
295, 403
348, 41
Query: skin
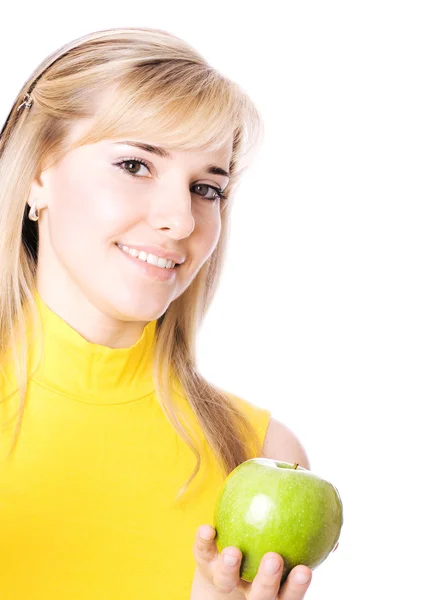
214, 580
86, 204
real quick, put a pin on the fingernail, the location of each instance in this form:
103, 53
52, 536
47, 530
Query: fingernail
300, 577
205, 533
272, 565
229, 560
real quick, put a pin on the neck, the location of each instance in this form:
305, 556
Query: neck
67, 363
94, 325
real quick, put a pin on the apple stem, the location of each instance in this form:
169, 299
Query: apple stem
295, 465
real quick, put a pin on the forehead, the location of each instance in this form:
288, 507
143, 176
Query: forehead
79, 134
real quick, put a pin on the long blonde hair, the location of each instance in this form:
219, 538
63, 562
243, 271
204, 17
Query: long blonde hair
146, 79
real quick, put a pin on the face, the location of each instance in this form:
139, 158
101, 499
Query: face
109, 193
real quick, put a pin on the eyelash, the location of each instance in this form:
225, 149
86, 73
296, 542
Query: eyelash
221, 194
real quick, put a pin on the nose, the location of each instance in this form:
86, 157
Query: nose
170, 210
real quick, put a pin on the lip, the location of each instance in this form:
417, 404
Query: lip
157, 251
152, 272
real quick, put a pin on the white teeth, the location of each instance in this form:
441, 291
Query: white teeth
150, 258
162, 262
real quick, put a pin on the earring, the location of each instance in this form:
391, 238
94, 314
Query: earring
33, 212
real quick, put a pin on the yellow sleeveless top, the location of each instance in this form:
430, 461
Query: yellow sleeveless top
87, 507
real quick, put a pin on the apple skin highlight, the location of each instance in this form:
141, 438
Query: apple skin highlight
267, 505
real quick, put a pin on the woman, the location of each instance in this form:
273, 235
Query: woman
118, 165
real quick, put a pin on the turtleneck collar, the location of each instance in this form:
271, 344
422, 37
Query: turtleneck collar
89, 372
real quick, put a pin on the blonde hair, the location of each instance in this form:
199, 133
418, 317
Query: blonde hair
141, 79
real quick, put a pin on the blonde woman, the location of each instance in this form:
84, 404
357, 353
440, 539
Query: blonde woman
118, 166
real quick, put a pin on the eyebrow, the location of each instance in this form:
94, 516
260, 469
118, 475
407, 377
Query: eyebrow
163, 153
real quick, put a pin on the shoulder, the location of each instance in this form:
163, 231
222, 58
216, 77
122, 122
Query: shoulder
282, 444
279, 442
257, 415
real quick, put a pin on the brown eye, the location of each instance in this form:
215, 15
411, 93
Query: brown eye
215, 194
132, 166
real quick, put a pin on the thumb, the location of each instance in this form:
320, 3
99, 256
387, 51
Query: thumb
205, 550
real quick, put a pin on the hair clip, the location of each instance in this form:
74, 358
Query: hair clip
27, 102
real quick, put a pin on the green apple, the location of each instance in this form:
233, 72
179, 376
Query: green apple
267, 505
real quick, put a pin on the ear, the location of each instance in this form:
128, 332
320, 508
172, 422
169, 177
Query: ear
39, 190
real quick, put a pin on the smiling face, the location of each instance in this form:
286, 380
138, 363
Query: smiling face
111, 192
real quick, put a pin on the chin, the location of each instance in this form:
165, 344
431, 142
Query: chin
137, 309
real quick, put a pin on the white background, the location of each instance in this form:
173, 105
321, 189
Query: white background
331, 311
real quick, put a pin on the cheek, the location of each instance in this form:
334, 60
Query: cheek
89, 210
206, 234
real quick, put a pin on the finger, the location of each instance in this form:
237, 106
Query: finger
227, 571
296, 584
267, 581
205, 549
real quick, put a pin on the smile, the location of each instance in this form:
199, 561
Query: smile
148, 258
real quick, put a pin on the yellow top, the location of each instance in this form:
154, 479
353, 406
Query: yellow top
86, 501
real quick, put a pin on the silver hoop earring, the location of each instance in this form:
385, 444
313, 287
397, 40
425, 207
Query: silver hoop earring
33, 212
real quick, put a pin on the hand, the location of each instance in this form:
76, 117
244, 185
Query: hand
223, 579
